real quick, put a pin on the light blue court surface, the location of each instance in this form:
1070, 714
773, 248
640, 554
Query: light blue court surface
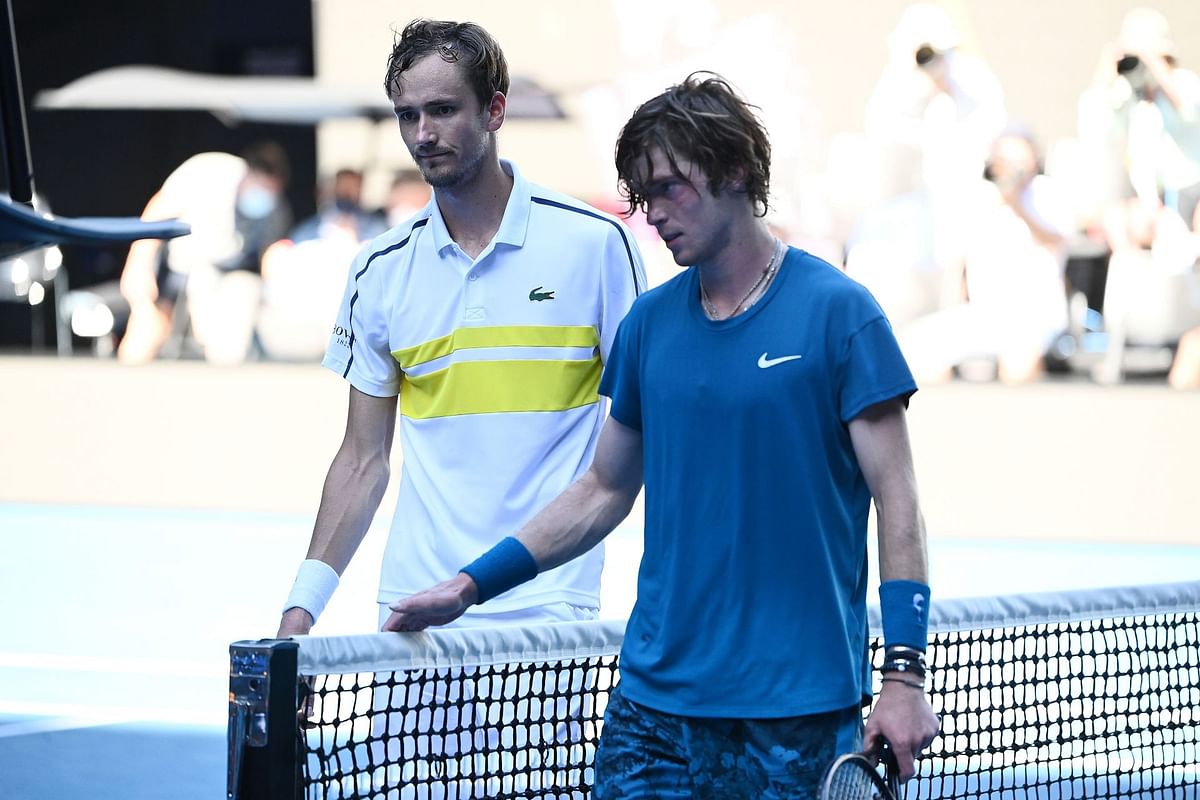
115, 625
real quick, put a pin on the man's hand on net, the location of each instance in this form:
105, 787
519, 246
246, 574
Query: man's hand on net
295, 622
298, 622
437, 605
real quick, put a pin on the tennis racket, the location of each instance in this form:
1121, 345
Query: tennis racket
862, 776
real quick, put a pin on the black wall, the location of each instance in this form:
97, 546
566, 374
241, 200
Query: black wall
109, 163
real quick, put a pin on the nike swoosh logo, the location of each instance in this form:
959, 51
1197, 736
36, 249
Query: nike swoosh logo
764, 362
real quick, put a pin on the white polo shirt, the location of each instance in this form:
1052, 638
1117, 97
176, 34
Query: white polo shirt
497, 363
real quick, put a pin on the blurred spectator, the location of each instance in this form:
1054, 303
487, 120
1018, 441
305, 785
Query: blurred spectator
303, 280
207, 282
1147, 108
407, 195
1015, 304
935, 110
1143, 109
1185, 369
930, 120
340, 207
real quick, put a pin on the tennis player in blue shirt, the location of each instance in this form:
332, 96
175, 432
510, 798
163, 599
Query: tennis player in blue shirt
761, 397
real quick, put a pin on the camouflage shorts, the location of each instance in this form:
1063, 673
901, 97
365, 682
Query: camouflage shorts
646, 754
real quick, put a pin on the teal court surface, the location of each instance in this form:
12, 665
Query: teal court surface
116, 624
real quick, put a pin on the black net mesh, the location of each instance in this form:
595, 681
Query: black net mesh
502, 731
1104, 708
1096, 709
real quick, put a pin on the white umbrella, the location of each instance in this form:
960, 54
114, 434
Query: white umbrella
240, 98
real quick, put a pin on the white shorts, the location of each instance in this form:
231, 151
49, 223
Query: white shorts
413, 751
552, 612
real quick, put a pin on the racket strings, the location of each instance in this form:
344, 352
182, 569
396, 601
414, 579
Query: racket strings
854, 777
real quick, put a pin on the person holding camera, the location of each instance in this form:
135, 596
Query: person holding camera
929, 121
1013, 304
1142, 113
934, 106
1146, 109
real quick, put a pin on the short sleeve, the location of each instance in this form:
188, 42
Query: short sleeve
358, 347
624, 279
873, 370
621, 381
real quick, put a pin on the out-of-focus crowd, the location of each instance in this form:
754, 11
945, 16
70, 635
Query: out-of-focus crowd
247, 283
992, 258
968, 242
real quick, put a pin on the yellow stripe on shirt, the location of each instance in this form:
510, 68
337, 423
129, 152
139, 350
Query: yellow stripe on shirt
493, 387
497, 336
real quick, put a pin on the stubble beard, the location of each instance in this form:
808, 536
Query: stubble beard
454, 177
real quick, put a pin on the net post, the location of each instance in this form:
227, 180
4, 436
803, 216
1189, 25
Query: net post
14, 133
263, 706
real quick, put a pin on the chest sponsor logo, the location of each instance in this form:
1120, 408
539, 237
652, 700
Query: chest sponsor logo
767, 363
537, 295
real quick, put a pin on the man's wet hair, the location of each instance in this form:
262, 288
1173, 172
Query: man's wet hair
462, 43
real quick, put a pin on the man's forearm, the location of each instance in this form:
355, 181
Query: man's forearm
138, 278
576, 520
570, 525
567, 527
348, 504
880, 438
349, 500
902, 552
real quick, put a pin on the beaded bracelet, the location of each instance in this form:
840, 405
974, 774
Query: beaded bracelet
905, 667
905, 660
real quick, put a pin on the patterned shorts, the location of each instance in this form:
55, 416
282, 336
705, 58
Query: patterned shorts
646, 754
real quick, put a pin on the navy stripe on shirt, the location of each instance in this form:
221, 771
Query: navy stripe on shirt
354, 299
625, 239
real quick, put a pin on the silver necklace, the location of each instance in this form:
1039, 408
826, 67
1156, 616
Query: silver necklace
763, 281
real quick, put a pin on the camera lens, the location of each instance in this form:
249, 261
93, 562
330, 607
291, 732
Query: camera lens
925, 54
1127, 64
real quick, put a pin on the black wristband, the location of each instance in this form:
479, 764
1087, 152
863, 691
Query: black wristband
904, 663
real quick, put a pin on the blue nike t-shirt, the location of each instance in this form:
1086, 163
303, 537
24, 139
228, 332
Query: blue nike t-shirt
751, 597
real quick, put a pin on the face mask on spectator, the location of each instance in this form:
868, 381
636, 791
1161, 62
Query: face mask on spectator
255, 202
345, 205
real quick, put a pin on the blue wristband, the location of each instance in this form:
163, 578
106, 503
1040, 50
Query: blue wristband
904, 607
506, 565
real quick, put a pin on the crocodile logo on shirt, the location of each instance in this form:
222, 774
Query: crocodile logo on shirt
537, 295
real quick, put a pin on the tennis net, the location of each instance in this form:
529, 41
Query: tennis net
1086, 694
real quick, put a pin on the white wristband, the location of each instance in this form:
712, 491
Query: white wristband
315, 582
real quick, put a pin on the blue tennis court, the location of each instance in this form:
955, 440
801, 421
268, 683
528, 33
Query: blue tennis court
113, 671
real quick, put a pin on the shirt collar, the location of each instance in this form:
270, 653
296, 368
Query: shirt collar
513, 225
